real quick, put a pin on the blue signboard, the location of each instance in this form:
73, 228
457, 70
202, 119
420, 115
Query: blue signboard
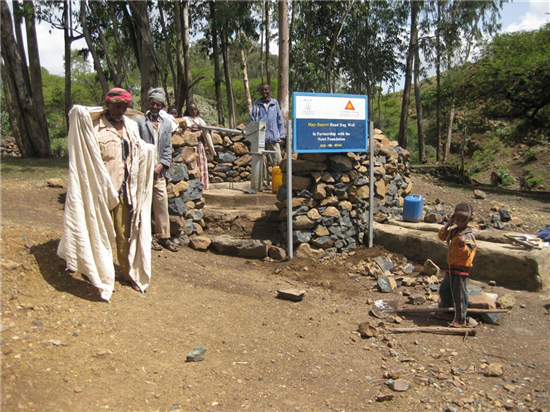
330, 123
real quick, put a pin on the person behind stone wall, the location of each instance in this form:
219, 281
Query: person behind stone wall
266, 109
195, 124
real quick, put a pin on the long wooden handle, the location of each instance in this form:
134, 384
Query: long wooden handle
434, 310
436, 329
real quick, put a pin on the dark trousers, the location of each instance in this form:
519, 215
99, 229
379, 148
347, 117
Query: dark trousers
453, 293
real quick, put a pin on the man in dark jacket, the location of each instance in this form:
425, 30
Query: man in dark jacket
157, 130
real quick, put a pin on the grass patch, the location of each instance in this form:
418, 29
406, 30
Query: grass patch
33, 169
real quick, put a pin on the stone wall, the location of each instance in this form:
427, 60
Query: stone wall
330, 201
232, 164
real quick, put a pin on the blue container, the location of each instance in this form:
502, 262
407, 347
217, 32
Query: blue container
412, 208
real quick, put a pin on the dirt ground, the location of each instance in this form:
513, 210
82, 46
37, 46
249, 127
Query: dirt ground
63, 349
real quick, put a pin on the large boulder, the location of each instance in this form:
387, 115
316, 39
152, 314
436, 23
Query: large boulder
246, 248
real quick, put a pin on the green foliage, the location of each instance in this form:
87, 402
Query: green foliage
505, 177
532, 180
531, 154
483, 157
512, 79
59, 147
5, 128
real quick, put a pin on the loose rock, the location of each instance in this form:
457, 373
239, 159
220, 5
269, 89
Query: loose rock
196, 355
294, 295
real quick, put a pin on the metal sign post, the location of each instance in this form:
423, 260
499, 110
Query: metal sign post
289, 241
371, 184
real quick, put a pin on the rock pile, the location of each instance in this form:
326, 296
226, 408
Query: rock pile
330, 200
8, 147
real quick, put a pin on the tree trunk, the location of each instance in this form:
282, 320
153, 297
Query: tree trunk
291, 28
216, 57
18, 22
94, 8
147, 64
35, 69
67, 29
408, 77
419, 111
120, 67
261, 60
23, 145
93, 52
379, 108
28, 119
438, 83
447, 151
110, 64
186, 53
228, 83
133, 34
168, 50
244, 66
180, 66
267, 39
283, 72
334, 42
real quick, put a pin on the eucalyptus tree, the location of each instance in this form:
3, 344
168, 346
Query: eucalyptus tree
25, 86
314, 23
148, 64
413, 45
459, 27
283, 69
84, 14
371, 47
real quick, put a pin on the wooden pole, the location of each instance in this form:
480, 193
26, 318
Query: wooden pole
438, 310
436, 329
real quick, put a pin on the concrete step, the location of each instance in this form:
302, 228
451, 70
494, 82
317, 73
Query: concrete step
231, 211
508, 265
233, 197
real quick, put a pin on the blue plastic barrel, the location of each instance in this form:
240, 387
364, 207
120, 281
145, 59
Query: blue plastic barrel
412, 208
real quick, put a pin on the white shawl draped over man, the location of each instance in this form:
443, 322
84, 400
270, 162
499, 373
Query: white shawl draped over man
108, 201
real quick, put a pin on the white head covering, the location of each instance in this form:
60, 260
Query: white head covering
158, 94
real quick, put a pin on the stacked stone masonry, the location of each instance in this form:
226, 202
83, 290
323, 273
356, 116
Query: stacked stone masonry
330, 199
232, 164
330, 191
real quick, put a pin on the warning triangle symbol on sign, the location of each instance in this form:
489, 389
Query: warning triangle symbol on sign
349, 106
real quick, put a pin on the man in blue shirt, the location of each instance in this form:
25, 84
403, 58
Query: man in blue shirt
267, 110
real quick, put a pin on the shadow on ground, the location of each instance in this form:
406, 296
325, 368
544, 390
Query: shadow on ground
52, 269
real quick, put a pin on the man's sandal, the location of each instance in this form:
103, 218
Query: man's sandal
443, 316
168, 244
155, 245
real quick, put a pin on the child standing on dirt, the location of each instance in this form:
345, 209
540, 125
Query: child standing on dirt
462, 249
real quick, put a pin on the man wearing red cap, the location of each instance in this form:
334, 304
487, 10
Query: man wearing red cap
108, 201
114, 143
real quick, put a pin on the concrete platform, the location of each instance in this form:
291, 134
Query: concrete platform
232, 196
508, 265
231, 211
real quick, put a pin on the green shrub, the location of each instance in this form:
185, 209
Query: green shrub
532, 181
483, 157
531, 154
59, 147
505, 178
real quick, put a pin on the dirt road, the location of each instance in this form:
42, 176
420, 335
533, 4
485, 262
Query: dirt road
65, 350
